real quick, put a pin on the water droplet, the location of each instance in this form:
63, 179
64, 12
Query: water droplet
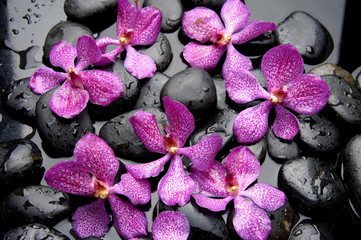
28, 18
30, 10
310, 50
12, 19
298, 232
15, 31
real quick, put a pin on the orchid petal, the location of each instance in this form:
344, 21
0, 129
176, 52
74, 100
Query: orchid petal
235, 15
251, 124
170, 225
280, 65
95, 156
146, 127
138, 64
91, 219
213, 204
67, 177
176, 186
203, 56
306, 94
103, 87
68, 101
243, 165
266, 197
286, 124
129, 221
181, 121
243, 87
234, 61
137, 190
44, 79
201, 24
212, 183
109, 57
127, 16
102, 43
252, 30
88, 52
250, 221
203, 154
63, 54
147, 170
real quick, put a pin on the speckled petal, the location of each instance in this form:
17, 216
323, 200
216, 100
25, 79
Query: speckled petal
250, 221
67, 177
181, 121
137, 190
146, 127
266, 197
252, 30
286, 124
88, 52
235, 15
243, 165
63, 54
138, 64
242, 87
170, 225
202, 56
251, 124
91, 219
176, 186
127, 16
103, 87
213, 204
95, 156
201, 24
68, 101
44, 79
234, 61
307, 94
280, 65
104, 42
129, 221
203, 154
109, 57
147, 170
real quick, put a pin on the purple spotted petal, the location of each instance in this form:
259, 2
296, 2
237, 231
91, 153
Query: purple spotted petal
235, 15
213, 204
252, 30
181, 121
103, 87
109, 57
137, 190
148, 25
129, 221
286, 124
201, 24
203, 56
243, 87
176, 186
91, 219
251, 124
88, 52
147, 170
243, 165
138, 64
146, 127
44, 79
212, 183
68, 101
127, 16
170, 225
63, 54
234, 62
102, 43
67, 177
307, 94
95, 156
280, 65
250, 221
203, 154
266, 197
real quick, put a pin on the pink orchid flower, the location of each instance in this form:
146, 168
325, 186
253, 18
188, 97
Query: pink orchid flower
80, 86
176, 186
230, 181
288, 87
92, 174
135, 26
204, 25
170, 225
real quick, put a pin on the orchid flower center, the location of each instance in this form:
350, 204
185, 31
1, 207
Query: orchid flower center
74, 77
278, 94
221, 39
137, 4
101, 189
232, 185
126, 37
171, 144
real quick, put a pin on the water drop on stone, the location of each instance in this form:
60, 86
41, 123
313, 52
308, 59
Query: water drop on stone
15, 31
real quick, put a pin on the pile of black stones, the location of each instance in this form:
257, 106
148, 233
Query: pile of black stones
320, 170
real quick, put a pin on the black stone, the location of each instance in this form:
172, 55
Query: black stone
34, 231
221, 93
281, 150
212, 4
308, 35
259, 149
308, 229
259, 45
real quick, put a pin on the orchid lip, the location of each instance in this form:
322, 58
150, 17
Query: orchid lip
126, 37
74, 77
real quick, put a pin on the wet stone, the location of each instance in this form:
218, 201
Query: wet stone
312, 187
332, 69
281, 150
34, 231
308, 229
259, 45
308, 35
259, 149
212, 4
221, 93
59, 135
